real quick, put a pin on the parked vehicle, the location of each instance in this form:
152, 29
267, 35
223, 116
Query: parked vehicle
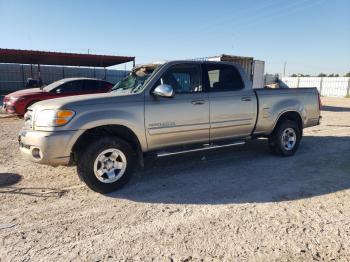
19, 101
177, 107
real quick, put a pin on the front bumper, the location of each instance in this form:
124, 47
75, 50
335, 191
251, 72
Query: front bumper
49, 148
8, 108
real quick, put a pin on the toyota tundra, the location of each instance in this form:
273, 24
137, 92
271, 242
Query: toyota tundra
173, 108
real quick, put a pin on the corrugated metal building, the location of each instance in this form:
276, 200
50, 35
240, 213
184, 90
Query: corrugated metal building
16, 66
14, 76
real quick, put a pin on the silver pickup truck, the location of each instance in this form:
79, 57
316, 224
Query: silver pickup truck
167, 109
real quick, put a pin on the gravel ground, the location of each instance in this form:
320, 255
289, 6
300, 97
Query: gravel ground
238, 204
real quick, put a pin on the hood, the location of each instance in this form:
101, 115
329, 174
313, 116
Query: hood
23, 92
87, 100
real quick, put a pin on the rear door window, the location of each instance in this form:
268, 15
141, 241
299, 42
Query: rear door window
106, 85
223, 77
92, 86
71, 87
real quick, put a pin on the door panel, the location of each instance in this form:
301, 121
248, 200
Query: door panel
176, 121
232, 114
183, 119
232, 103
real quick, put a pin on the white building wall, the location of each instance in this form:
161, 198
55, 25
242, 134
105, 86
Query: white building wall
327, 86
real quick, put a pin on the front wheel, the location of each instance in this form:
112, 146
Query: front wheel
107, 164
285, 140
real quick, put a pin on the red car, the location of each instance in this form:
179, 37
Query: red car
18, 102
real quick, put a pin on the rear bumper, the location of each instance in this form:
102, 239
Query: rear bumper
48, 148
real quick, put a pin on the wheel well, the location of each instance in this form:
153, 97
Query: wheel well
292, 116
31, 103
112, 130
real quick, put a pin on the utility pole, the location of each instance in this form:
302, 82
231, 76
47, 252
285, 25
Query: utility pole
284, 68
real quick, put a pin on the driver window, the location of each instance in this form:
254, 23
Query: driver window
185, 78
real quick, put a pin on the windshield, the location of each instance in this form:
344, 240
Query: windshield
133, 83
53, 85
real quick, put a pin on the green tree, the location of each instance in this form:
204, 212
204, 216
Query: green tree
322, 75
347, 75
293, 75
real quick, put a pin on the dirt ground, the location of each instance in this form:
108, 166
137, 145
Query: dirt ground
238, 204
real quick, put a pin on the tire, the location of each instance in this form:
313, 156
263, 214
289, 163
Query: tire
285, 140
96, 160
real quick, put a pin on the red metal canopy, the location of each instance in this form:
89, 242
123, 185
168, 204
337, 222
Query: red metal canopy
57, 58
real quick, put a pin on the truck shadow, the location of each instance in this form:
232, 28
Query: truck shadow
8, 179
244, 174
335, 109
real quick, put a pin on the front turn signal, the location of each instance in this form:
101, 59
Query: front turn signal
63, 117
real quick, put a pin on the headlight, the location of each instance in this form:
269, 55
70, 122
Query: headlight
51, 117
15, 99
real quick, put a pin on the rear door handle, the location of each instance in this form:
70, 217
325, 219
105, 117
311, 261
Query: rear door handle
198, 102
246, 98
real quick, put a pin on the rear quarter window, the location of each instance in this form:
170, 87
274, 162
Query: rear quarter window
92, 86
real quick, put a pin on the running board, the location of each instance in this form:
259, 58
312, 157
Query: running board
204, 147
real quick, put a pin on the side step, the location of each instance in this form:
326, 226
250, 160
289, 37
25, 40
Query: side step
201, 148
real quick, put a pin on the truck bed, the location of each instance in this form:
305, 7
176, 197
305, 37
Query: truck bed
272, 103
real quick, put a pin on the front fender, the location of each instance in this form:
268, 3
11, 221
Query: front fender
129, 115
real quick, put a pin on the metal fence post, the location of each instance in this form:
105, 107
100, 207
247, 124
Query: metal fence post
348, 91
23, 80
321, 85
298, 81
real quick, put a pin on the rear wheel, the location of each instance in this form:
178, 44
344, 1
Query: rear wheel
285, 140
107, 164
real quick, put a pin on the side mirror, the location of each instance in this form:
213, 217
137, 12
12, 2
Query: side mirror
164, 91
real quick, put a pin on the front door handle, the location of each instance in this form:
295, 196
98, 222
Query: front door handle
246, 98
198, 102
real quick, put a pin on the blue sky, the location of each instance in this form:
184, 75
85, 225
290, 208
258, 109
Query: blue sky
313, 36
